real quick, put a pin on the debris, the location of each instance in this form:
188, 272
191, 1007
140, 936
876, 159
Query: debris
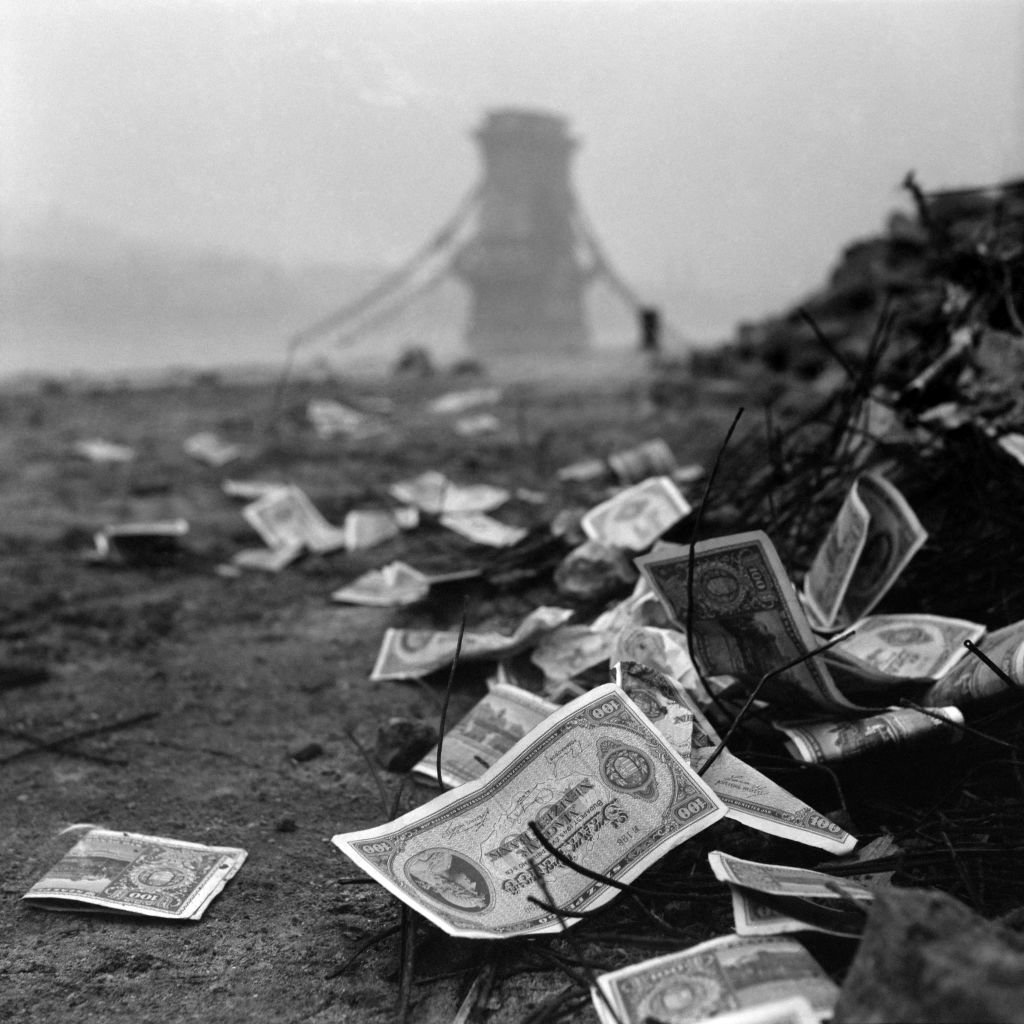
129, 873
286, 517
401, 742
140, 543
593, 571
924, 956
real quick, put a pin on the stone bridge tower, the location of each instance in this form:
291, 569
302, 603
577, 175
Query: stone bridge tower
523, 264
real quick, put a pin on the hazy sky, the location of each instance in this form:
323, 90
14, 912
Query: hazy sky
734, 145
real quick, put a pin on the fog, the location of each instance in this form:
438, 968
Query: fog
728, 150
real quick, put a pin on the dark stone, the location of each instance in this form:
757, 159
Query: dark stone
925, 957
401, 742
306, 752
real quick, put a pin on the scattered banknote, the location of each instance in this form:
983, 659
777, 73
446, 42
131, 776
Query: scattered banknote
136, 874
366, 528
869, 544
902, 648
286, 517
477, 424
722, 975
1013, 445
97, 450
815, 742
747, 620
462, 401
661, 649
792, 1010
332, 419
973, 680
435, 494
391, 586
651, 458
570, 650
250, 490
492, 728
582, 471
783, 880
412, 653
635, 518
267, 559
750, 798
754, 913
483, 529
207, 447
598, 781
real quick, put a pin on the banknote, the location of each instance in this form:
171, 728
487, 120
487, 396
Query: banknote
873, 538
635, 518
435, 494
793, 1010
267, 559
750, 797
250, 490
598, 781
721, 975
412, 653
137, 874
213, 450
747, 619
331, 419
570, 650
477, 423
755, 913
483, 529
492, 728
973, 680
453, 402
286, 517
133, 541
901, 648
391, 586
783, 879
815, 742
651, 458
98, 450
366, 528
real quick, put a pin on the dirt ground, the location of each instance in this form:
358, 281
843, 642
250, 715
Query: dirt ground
199, 687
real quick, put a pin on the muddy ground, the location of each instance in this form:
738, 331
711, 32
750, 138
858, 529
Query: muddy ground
202, 686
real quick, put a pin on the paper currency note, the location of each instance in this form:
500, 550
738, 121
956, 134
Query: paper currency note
391, 586
483, 529
874, 537
722, 975
651, 458
794, 1010
267, 559
137, 874
815, 742
435, 494
492, 728
209, 448
635, 518
755, 913
750, 797
570, 650
784, 880
286, 517
973, 680
250, 490
747, 619
412, 653
595, 777
462, 401
332, 419
366, 528
903, 648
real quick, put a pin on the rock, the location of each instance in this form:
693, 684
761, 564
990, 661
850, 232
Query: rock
305, 751
401, 742
925, 957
